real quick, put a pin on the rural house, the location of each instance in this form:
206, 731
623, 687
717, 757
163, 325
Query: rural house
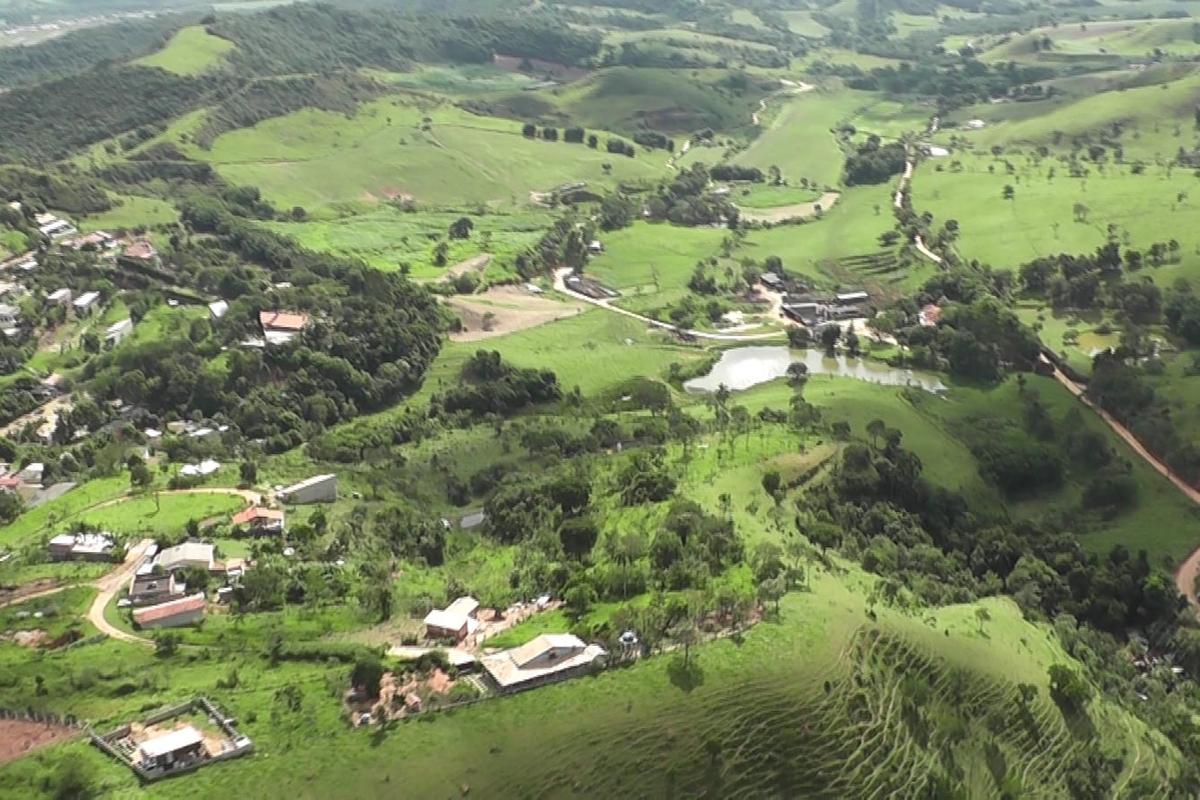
10, 318
82, 546
85, 303
141, 251
456, 621
171, 614
59, 297
281, 327
151, 588
547, 658
182, 556
116, 333
259, 521
171, 750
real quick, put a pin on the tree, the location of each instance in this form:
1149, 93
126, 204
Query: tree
461, 228
578, 536
140, 475
1009, 192
593, 141
529, 130
852, 344
1068, 688
797, 373
798, 337
771, 481
440, 252
829, 338
166, 643
876, 429
248, 471
367, 675
10, 506
982, 615
772, 590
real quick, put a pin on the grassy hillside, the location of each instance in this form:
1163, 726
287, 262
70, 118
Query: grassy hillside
191, 51
405, 148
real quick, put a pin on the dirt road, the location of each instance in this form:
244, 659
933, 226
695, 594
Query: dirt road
1187, 572
560, 285
796, 211
109, 585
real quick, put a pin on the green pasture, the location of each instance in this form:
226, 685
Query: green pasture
427, 152
129, 212
1041, 220
653, 257
454, 80
169, 513
191, 51
802, 23
798, 137
761, 195
387, 237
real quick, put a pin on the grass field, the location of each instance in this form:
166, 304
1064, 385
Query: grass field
798, 137
191, 51
455, 80
1040, 220
131, 211
388, 151
651, 258
386, 237
1174, 37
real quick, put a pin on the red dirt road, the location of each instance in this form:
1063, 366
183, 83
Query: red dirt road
1187, 572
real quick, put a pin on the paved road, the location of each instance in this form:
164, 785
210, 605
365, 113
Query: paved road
109, 585
560, 285
1187, 572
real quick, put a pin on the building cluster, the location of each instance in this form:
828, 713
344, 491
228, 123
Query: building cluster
815, 310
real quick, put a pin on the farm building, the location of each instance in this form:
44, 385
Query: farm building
151, 588
86, 302
259, 521
171, 614
548, 658
218, 308
82, 546
280, 327
54, 227
116, 333
169, 750
182, 556
850, 298
455, 621
202, 470
317, 489
771, 280
808, 314
141, 250
59, 297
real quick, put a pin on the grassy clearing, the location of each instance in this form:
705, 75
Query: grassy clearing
131, 211
1156, 206
44, 518
799, 137
168, 514
802, 23
388, 151
387, 237
653, 257
191, 51
455, 80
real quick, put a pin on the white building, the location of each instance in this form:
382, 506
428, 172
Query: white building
86, 302
82, 546
182, 556
218, 309
317, 489
455, 621
547, 658
59, 297
118, 331
10, 318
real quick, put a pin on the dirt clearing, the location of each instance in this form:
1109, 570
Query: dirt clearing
505, 309
784, 213
20, 737
475, 264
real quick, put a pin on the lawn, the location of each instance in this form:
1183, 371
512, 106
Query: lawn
191, 51
144, 515
653, 257
425, 151
129, 212
1041, 220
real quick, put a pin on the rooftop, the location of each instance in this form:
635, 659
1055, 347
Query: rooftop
255, 513
185, 553
282, 320
183, 605
86, 299
307, 482
178, 739
141, 250
545, 655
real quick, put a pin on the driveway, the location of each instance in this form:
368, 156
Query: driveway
109, 585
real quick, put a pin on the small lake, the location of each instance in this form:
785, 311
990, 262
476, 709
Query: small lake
743, 367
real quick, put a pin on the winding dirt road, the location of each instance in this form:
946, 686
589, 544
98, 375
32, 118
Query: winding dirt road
1187, 572
109, 585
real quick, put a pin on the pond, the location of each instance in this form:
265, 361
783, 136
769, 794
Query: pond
742, 367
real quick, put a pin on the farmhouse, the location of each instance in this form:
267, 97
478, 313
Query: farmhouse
116, 333
217, 309
317, 489
59, 297
258, 521
86, 302
182, 556
82, 546
141, 250
202, 470
771, 280
170, 750
54, 227
850, 298
545, 659
455, 621
171, 614
807, 314
151, 588
281, 327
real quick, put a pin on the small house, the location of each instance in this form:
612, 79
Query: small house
217, 309
259, 521
183, 556
317, 489
86, 303
153, 588
281, 327
595, 247
456, 621
141, 251
117, 332
54, 227
545, 659
59, 297
202, 470
10, 318
172, 750
772, 281
171, 614
82, 546
851, 298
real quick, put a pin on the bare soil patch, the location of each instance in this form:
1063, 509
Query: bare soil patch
473, 264
19, 738
510, 309
784, 213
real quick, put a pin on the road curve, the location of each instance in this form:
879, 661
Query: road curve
560, 285
1189, 569
109, 585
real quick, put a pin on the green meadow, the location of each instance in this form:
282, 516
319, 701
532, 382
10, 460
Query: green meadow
409, 149
191, 51
1156, 206
131, 212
